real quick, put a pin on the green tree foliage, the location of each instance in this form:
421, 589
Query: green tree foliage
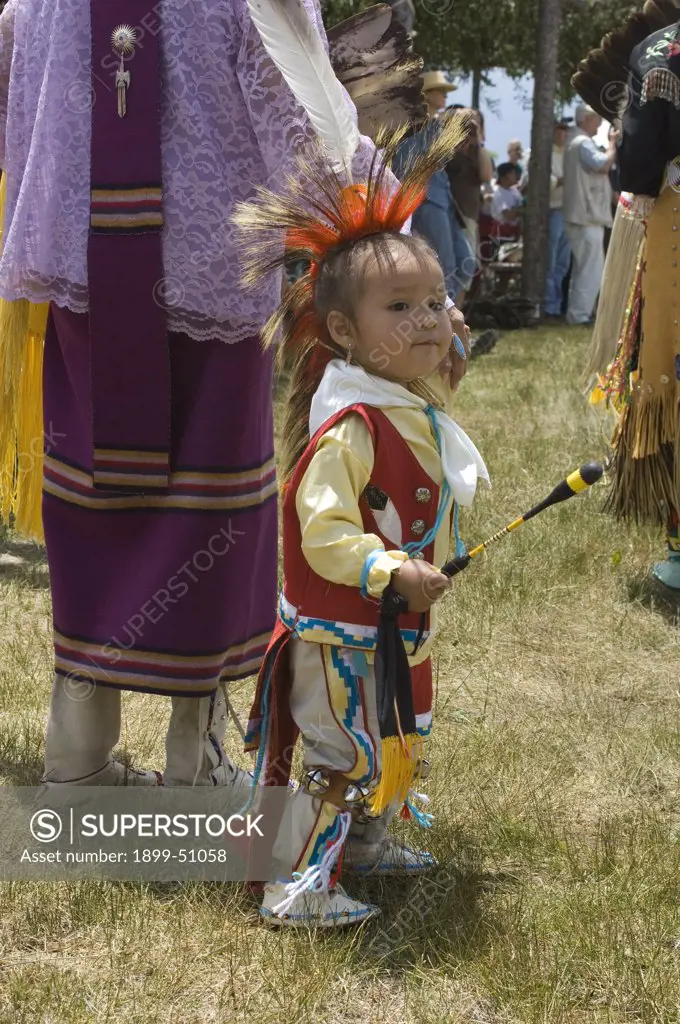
464, 36
582, 29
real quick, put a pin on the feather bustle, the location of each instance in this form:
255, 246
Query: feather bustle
601, 79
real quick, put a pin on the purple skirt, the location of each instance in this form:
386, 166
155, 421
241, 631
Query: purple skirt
170, 592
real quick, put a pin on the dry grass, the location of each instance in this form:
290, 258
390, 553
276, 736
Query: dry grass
556, 764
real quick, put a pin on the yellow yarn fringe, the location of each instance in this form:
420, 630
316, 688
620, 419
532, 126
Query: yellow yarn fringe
22, 339
645, 469
399, 762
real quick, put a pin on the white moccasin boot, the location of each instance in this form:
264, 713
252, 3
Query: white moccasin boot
113, 773
388, 857
371, 851
331, 909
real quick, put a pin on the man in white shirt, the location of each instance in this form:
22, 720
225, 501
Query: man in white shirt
559, 251
587, 212
507, 199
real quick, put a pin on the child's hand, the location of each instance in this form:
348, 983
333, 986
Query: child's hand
453, 366
420, 583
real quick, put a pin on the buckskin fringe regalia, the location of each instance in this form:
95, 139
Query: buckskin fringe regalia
637, 344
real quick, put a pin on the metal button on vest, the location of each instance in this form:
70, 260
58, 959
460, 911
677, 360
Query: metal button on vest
418, 527
423, 495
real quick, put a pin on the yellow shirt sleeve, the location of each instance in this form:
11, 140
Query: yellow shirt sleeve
327, 503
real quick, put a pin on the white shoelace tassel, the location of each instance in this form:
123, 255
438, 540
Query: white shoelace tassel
317, 877
424, 820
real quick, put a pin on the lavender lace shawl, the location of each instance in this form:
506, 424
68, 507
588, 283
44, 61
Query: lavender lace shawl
229, 123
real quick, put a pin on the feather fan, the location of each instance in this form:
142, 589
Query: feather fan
362, 41
297, 49
405, 13
372, 55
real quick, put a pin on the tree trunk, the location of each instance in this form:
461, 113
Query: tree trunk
534, 257
476, 88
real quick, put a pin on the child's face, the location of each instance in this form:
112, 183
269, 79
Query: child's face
401, 329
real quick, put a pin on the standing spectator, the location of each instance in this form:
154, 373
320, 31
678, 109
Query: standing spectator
587, 212
468, 171
507, 199
436, 218
523, 182
559, 252
516, 157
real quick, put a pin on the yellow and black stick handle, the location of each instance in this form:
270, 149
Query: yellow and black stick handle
576, 482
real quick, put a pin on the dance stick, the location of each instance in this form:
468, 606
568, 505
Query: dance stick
576, 482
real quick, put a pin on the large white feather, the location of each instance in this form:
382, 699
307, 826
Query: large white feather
296, 48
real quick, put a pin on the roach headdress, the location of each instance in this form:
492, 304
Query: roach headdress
316, 215
320, 207
317, 212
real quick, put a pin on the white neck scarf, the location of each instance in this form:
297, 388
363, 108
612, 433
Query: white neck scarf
342, 386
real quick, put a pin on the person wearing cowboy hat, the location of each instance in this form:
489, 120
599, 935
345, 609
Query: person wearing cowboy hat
436, 218
436, 88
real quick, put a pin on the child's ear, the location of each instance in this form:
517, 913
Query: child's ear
340, 328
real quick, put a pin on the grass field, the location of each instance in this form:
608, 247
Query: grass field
556, 787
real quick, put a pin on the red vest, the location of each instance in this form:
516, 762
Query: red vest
334, 613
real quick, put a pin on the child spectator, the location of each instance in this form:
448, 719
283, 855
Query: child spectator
507, 199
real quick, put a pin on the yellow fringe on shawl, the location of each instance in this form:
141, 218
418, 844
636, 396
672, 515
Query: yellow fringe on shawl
400, 756
22, 338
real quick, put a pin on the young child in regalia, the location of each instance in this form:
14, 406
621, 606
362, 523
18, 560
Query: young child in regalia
374, 468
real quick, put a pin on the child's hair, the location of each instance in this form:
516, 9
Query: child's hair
334, 229
504, 169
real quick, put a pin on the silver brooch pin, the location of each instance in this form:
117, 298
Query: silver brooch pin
123, 40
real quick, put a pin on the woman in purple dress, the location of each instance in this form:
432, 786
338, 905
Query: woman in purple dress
127, 135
